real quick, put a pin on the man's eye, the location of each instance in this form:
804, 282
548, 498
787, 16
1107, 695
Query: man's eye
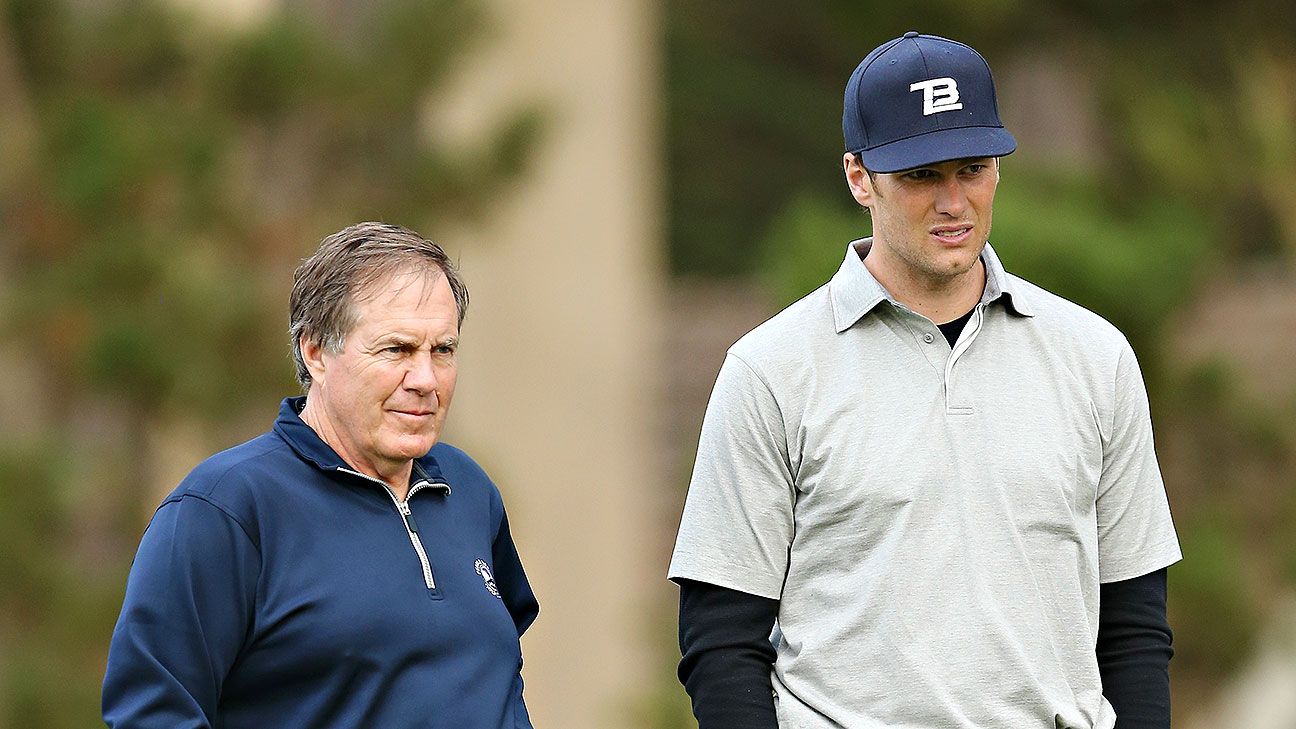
919, 174
394, 349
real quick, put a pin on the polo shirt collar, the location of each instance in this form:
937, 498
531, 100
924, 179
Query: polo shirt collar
855, 292
307, 444
1000, 286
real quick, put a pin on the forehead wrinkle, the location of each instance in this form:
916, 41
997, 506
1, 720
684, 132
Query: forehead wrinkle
378, 287
376, 282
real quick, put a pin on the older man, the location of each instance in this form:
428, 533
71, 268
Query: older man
344, 569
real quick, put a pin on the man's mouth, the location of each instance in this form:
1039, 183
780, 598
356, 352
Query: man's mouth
951, 234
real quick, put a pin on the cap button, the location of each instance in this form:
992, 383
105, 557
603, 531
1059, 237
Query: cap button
911, 34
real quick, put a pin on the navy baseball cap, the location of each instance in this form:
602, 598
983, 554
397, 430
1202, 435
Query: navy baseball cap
922, 99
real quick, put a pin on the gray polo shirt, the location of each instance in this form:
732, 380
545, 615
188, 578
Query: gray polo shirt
934, 521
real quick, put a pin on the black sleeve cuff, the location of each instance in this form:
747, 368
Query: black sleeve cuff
727, 656
1134, 649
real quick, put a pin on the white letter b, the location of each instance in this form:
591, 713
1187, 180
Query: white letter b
939, 94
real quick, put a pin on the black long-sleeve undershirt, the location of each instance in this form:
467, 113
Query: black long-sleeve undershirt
1134, 650
725, 668
724, 639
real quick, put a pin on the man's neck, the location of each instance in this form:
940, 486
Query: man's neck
939, 299
397, 477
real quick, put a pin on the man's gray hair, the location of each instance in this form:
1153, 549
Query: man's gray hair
322, 305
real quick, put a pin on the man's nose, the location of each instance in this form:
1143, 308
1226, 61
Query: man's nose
950, 197
422, 373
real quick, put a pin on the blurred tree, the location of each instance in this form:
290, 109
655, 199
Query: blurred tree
159, 180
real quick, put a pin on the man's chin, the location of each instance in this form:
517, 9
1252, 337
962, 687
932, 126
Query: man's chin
964, 261
409, 447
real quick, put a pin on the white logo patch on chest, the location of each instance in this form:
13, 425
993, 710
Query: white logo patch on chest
939, 94
483, 569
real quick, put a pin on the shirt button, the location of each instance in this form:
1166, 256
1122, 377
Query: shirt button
928, 338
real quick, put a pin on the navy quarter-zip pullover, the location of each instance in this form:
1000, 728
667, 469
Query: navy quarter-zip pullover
277, 588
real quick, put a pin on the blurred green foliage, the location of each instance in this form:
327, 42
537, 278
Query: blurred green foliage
805, 244
1230, 460
1062, 234
54, 612
1212, 603
161, 175
1190, 169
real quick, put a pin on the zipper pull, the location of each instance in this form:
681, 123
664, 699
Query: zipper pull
408, 515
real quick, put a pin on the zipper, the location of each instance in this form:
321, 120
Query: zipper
407, 517
964, 341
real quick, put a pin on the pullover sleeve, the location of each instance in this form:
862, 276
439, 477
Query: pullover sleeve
516, 593
1134, 650
726, 652
186, 615
510, 578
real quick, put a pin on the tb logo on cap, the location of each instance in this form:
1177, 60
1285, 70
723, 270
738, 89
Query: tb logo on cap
939, 94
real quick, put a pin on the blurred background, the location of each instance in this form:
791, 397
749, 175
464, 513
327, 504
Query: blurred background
629, 186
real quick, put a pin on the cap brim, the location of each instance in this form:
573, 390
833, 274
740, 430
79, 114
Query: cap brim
941, 145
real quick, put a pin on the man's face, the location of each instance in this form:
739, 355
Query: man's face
383, 399
929, 223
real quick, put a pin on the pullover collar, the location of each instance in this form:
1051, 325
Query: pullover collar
307, 444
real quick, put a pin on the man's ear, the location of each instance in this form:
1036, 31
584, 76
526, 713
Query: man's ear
857, 178
313, 355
